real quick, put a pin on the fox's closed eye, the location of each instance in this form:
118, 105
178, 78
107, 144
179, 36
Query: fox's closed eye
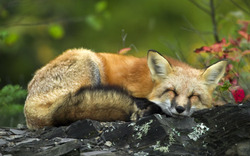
194, 96
174, 91
170, 91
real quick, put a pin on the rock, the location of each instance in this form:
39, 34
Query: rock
224, 130
62, 149
243, 148
82, 129
21, 126
117, 134
17, 132
108, 143
98, 153
54, 132
29, 140
147, 131
3, 132
2, 142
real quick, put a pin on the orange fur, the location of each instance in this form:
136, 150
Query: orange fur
174, 86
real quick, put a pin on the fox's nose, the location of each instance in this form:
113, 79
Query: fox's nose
180, 109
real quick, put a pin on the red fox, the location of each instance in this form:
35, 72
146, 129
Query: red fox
78, 85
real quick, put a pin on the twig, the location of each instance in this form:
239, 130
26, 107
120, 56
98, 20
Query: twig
212, 13
171, 47
247, 3
181, 57
241, 8
133, 46
200, 7
69, 20
192, 28
196, 31
124, 36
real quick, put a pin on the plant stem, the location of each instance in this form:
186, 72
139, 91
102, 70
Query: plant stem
200, 7
212, 12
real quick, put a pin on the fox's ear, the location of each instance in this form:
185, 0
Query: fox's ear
159, 67
215, 72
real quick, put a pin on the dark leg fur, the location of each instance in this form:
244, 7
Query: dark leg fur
147, 107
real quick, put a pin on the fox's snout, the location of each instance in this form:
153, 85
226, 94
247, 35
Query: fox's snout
172, 108
180, 105
180, 109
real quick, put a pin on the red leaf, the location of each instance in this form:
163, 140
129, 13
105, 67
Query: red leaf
219, 46
238, 95
234, 82
234, 42
243, 34
225, 55
203, 49
206, 49
229, 67
246, 52
223, 41
124, 50
233, 49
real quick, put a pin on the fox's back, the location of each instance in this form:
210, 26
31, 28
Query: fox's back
65, 74
76, 68
54, 97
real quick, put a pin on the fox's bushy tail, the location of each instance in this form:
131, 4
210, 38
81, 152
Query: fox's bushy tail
102, 103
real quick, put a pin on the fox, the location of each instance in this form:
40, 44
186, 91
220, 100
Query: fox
82, 84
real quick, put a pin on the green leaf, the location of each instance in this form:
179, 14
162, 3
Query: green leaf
101, 6
12, 94
11, 109
94, 22
3, 35
56, 31
10, 39
225, 86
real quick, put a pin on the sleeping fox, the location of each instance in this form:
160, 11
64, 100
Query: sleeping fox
81, 84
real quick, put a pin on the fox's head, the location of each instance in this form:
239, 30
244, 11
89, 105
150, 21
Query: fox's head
181, 90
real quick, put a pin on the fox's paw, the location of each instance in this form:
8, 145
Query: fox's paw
149, 110
136, 115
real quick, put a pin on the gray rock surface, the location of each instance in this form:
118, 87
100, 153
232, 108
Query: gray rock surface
223, 130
